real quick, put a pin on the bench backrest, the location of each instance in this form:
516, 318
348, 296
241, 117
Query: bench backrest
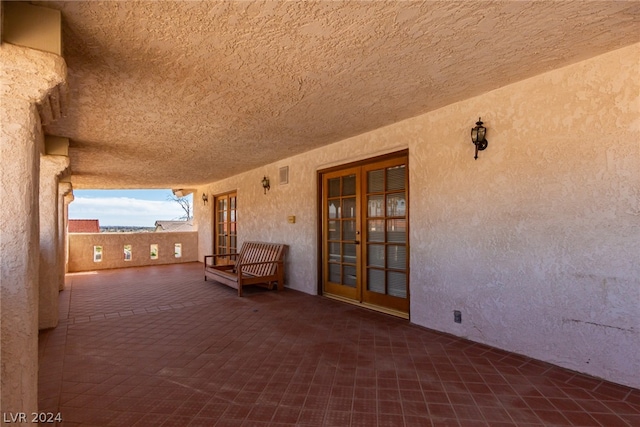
260, 252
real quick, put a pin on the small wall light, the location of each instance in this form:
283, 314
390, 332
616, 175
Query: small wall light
205, 198
265, 184
478, 134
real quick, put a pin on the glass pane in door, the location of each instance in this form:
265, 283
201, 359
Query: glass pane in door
334, 187
334, 273
397, 284
349, 278
375, 181
334, 252
375, 230
334, 209
397, 230
349, 253
375, 206
375, 255
397, 257
349, 207
396, 204
375, 281
349, 185
395, 178
349, 230
334, 230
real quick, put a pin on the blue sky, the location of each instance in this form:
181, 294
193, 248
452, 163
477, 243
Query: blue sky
125, 207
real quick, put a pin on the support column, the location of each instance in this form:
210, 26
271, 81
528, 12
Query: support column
50, 262
27, 78
64, 189
67, 200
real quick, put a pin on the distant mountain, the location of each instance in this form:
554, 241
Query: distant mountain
125, 229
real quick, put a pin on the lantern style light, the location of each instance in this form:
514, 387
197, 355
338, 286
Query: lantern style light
265, 184
478, 134
205, 198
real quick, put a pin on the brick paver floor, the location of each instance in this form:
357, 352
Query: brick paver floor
159, 346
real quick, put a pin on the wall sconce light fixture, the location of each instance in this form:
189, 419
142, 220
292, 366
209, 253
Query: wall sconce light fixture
478, 134
265, 184
205, 198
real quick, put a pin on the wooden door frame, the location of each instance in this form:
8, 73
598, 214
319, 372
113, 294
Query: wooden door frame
324, 254
319, 205
398, 303
214, 216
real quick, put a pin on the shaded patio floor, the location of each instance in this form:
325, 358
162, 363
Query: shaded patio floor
159, 346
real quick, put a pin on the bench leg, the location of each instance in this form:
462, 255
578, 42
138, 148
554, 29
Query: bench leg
280, 278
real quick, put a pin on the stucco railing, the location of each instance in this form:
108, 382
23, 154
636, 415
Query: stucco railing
100, 251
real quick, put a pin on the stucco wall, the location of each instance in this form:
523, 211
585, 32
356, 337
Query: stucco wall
537, 242
27, 78
81, 249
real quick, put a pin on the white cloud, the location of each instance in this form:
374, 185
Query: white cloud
124, 211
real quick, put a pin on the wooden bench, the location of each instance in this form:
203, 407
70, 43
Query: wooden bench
257, 263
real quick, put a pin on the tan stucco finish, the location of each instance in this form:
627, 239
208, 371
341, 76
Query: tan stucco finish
27, 78
50, 257
174, 94
32, 26
536, 242
65, 190
81, 249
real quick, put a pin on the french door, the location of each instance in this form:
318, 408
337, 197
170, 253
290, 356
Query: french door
365, 247
225, 229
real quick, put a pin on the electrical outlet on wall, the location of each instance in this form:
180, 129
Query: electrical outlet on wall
457, 316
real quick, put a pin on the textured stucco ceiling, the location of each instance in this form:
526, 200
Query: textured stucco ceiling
176, 94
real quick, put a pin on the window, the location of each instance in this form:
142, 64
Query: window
127, 252
97, 254
153, 251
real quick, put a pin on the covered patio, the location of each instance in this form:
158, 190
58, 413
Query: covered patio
343, 130
153, 346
